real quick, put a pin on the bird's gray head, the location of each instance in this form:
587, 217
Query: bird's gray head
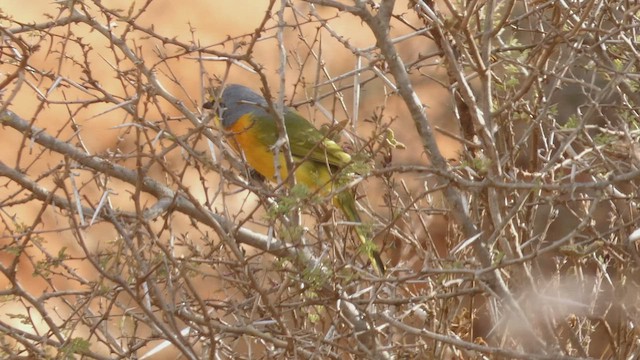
238, 100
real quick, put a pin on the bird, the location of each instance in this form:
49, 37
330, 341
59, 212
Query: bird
251, 131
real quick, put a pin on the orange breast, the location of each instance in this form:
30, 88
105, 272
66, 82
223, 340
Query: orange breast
243, 136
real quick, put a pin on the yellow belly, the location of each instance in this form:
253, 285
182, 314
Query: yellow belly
260, 156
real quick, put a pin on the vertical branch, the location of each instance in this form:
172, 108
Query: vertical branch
380, 26
283, 142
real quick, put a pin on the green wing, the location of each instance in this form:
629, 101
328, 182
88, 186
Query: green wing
307, 141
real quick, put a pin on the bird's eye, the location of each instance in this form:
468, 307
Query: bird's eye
212, 104
212, 99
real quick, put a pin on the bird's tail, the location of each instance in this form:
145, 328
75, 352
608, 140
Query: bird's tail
345, 200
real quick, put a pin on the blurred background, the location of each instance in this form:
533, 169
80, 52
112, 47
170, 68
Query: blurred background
547, 183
